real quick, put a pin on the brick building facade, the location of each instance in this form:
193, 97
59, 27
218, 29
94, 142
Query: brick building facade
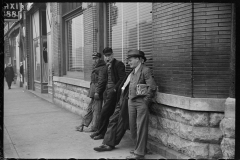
189, 46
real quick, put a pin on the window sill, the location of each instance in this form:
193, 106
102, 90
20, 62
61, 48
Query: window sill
72, 81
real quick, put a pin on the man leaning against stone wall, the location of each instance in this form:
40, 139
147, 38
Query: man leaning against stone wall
95, 105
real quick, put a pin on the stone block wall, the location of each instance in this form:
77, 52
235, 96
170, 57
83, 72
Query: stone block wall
227, 126
193, 133
71, 97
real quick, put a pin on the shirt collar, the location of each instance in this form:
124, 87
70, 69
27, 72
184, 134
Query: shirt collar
136, 69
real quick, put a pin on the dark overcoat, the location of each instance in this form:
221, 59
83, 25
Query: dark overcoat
9, 74
97, 79
124, 104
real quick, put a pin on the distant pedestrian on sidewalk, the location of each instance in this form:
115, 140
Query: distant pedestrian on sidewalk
141, 90
95, 93
114, 73
21, 72
9, 75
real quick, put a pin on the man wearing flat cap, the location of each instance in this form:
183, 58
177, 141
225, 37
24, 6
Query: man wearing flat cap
95, 105
141, 91
114, 73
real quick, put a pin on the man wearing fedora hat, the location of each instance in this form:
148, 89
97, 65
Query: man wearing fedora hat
95, 105
114, 73
141, 90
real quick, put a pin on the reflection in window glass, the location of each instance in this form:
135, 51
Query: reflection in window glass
35, 24
75, 44
37, 64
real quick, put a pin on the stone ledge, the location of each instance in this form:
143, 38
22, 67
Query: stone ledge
72, 81
230, 108
188, 103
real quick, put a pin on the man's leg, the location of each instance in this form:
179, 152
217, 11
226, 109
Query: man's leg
142, 126
9, 84
132, 120
97, 106
109, 138
107, 111
88, 117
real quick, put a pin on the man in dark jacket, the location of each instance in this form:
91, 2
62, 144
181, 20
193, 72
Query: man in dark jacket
114, 74
95, 105
118, 122
9, 75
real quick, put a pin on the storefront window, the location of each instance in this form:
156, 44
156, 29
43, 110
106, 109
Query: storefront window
75, 44
37, 61
49, 43
35, 24
45, 60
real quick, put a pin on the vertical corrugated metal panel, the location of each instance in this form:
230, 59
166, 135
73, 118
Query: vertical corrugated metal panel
146, 31
130, 27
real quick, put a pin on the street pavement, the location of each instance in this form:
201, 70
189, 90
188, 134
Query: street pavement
36, 128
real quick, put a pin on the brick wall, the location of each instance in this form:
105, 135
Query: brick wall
90, 39
192, 48
29, 57
56, 39
211, 52
172, 28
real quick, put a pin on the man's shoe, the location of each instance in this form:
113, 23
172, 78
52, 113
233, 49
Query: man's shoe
94, 134
79, 128
147, 152
98, 137
103, 147
135, 156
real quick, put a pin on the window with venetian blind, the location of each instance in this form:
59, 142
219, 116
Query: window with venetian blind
75, 43
80, 39
130, 27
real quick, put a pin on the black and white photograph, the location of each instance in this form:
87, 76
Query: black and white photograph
119, 80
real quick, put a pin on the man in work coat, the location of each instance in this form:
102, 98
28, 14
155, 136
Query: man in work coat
95, 105
141, 90
114, 73
9, 75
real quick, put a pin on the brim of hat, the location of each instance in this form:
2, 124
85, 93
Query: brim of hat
107, 53
144, 58
95, 56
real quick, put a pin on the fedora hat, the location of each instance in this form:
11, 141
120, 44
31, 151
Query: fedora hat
136, 53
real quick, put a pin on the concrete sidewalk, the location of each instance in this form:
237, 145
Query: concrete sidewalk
35, 128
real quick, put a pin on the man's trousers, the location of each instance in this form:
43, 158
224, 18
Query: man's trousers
138, 123
93, 113
107, 111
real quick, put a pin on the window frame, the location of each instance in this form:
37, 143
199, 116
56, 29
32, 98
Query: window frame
70, 74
